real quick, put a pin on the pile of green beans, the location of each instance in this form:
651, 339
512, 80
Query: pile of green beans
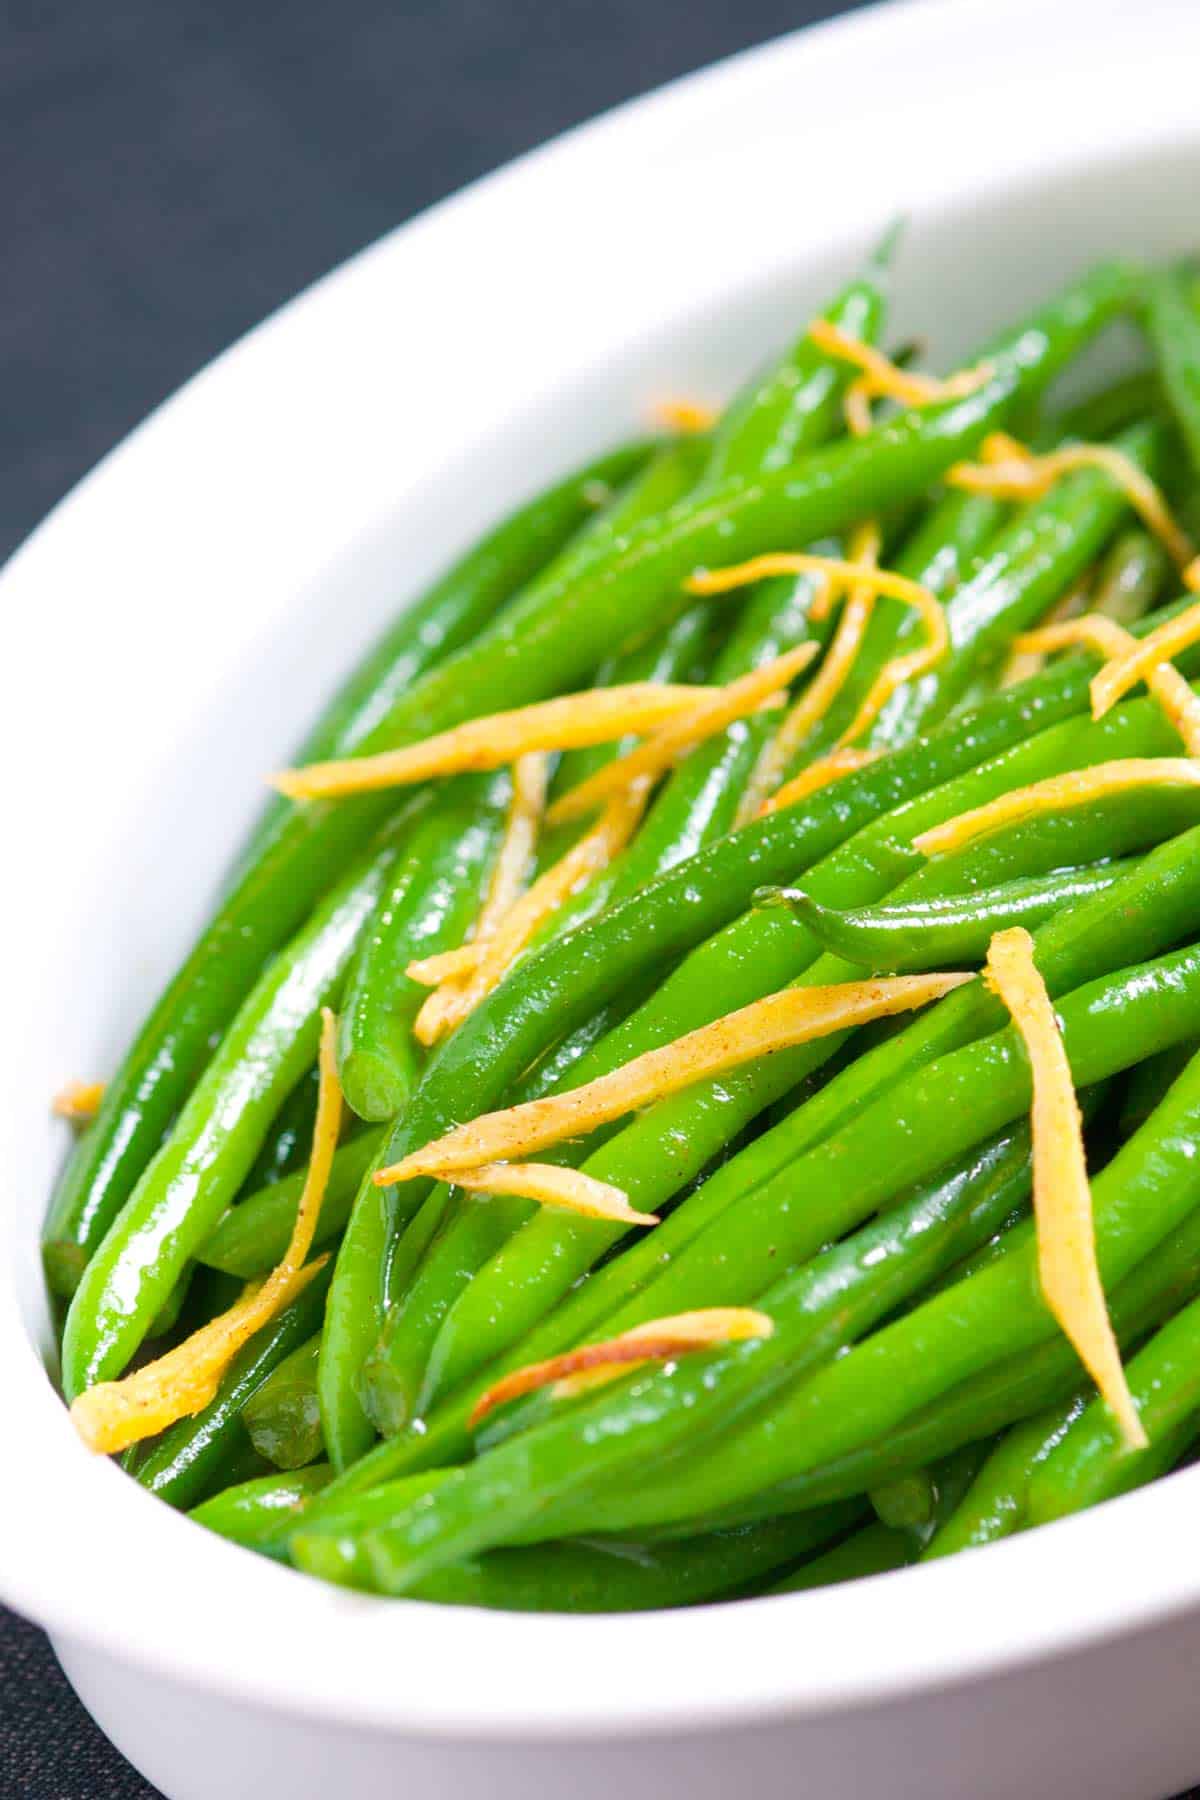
869, 1191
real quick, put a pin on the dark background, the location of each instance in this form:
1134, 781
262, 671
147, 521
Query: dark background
171, 172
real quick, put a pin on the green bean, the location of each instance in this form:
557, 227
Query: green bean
167, 1316
982, 618
1150, 1081
199, 1455
592, 1577
1174, 330
997, 1503
905, 1502
948, 551
287, 1146
282, 1417
200, 1168
1091, 1462
1131, 577
680, 652
918, 1238
252, 1236
600, 1577
921, 1500
782, 413
1109, 409
872, 1551
947, 931
433, 894
261, 1515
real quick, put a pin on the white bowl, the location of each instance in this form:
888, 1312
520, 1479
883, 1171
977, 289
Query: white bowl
173, 624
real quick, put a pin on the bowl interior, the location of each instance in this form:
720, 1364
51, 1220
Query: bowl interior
178, 620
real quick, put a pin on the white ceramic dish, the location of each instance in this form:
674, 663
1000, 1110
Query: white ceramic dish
201, 590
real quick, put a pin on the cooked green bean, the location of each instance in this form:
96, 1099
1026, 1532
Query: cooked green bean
282, 1417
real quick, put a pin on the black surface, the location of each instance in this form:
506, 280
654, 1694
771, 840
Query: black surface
170, 173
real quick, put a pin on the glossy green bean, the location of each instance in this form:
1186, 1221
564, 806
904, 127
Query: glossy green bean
199, 1455
566, 1577
874, 1550
621, 1577
997, 1502
1109, 409
1174, 330
1149, 1082
1091, 1462
203, 1163
428, 904
950, 930
1131, 577
261, 1514
282, 1417
252, 1236
921, 1500
287, 1145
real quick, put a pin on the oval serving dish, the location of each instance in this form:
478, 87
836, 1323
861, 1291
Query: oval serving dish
317, 473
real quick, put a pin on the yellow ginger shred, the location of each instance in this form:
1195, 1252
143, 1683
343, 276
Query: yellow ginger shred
446, 965
494, 954
884, 582
819, 774
821, 692
794, 1016
1062, 1202
78, 1101
1143, 658
571, 721
114, 1414
1110, 640
526, 809
881, 378
1079, 787
658, 1340
568, 1189
721, 707
904, 668
684, 416
1022, 664
1009, 470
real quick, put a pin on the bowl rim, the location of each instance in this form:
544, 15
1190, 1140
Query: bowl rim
504, 1676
